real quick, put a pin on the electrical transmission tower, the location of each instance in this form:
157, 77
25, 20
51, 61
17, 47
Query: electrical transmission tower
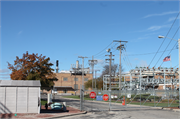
110, 60
92, 63
120, 47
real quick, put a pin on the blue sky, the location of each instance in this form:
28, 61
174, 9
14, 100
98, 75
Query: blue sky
65, 30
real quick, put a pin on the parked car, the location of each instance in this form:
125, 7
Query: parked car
43, 93
56, 106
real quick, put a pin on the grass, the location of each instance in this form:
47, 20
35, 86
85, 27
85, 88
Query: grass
164, 104
43, 102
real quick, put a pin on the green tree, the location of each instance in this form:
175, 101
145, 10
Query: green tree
33, 67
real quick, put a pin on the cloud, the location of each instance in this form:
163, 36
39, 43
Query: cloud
155, 28
172, 19
161, 14
139, 39
20, 32
4, 70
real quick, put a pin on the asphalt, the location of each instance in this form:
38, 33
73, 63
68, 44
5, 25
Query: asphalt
84, 112
160, 108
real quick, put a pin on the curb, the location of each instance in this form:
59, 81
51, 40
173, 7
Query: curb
176, 110
156, 107
84, 112
167, 109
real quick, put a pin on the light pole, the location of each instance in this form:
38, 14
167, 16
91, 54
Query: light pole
179, 61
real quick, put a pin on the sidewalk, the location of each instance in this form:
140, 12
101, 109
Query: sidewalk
45, 114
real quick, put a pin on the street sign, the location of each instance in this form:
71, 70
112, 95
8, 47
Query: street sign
128, 95
92, 95
99, 97
105, 97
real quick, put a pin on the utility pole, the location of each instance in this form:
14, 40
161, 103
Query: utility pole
75, 78
120, 47
179, 71
110, 59
82, 70
95, 78
92, 63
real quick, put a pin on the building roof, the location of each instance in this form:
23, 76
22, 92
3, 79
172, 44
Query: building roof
19, 83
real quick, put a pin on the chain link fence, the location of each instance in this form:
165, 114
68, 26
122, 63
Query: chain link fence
150, 98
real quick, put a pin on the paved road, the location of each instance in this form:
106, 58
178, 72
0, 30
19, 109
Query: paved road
98, 110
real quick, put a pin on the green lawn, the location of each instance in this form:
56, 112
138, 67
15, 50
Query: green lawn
43, 102
165, 104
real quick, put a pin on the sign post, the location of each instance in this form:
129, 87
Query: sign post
92, 95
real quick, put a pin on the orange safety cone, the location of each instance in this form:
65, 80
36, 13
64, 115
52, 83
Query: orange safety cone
123, 102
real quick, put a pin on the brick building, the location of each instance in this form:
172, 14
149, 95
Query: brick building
68, 83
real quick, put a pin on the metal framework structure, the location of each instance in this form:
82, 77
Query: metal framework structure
144, 78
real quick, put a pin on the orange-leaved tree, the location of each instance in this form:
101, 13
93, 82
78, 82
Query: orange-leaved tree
33, 67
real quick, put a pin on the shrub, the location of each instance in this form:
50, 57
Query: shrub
166, 100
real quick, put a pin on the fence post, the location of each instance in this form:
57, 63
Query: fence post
81, 98
154, 98
168, 98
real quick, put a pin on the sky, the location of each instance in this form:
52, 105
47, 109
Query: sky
64, 30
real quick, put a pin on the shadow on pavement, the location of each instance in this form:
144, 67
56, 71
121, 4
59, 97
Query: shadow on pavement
52, 111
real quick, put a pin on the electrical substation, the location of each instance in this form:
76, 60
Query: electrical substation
144, 78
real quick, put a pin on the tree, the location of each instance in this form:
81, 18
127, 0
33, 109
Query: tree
33, 67
99, 83
114, 69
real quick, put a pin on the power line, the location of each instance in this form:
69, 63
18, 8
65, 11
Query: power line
176, 66
149, 53
166, 48
126, 64
164, 39
127, 58
103, 49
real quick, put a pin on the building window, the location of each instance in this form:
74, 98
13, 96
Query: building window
76, 86
86, 79
65, 79
75, 79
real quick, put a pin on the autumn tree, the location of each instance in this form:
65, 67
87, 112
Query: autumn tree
33, 67
99, 83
